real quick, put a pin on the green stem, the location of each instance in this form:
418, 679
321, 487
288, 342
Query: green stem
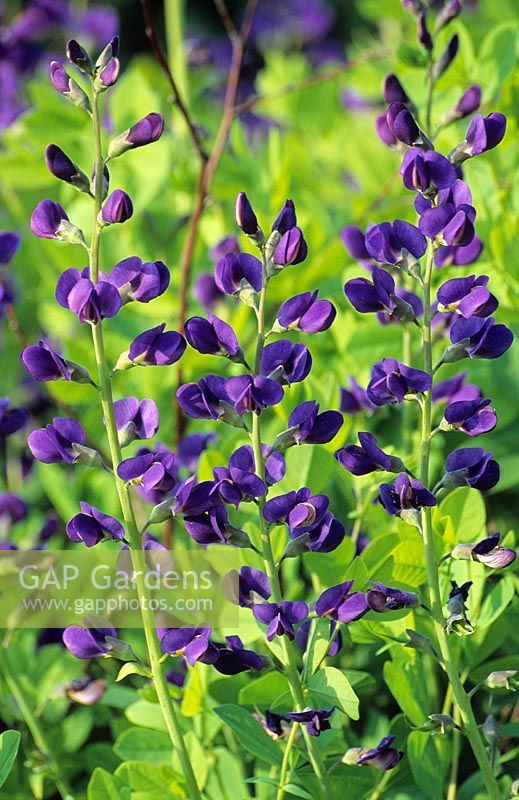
292, 673
169, 711
34, 725
381, 785
444, 642
286, 760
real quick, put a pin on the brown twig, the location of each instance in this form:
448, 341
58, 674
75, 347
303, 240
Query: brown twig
160, 55
208, 169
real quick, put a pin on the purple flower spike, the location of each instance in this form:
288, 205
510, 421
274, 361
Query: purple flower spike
47, 219
487, 551
88, 642
205, 399
355, 243
253, 585
193, 643
391, 381
291, 249
393, 243
11, 419
44, 364
306, 313
471, 466
9, 244
469, 297
483, 133
93, 526
280, 617
367, 458
157, 348
248, 393
117, 207
473, 417
315, 720
89, 302
213, 336
234, 658
138, 280
60, 165
426, 172
479, 338
312, 427
55, 443
355, 400
146, 131
245, 217
405, 495
382, 757
136, 420
341, 604
286, 362
382, 598
239, 274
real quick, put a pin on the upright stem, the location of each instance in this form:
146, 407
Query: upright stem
169, 711
286, 760
292, 673
444, 642
34, 725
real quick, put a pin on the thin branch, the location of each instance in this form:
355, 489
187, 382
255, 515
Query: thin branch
160, 55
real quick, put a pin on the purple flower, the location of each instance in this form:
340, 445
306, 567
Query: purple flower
469, 102
234, 485
136, 419
458, 255
291, 249
405, 494
305, 312
355, 400
9, 244
355, 243
206, 291
422, 33
382, 757
483, 133
206, 399
156, 472
426, 172
245, 217
342, 605
86, 691
383, 131
253, 585
406, 303
384, 598
275, 467
457, 621
367, 458
212, 527
193, 643
109, 74
473, 417
310, 524
280, 617
252, 393
191, 447
393, 91
55, 443
315, 720
449, 224
156, 347
213, 336
89, 642
469, 297
138, 280
234, 658
88, 301
11, 419
471, 466
478, 338
44, 364
229, 244
12, 508
286, 219
312, 427
487, 551
60, 165
237, 274
378, 295
117, 207
47, 219
393, 243
391, 381
78, 56
146, 131
93, 526
402, 125
67, 86
449, 12
286, 362
455, 389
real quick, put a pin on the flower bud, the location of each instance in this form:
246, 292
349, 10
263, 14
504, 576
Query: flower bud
245, 217
291, 249
107, 76
491, 731
446, 57
68, 87
448, 13
60, 165
110, 51
117, 208
422, 33
50, 221
499, 679
78, 56
146, 131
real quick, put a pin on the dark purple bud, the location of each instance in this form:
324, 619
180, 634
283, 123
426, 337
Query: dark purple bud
93, 526
367, 458
157, 347
382, 598
213, 336
315, 720
135, 419
140, 281
60, 165
391, 381
342, 605
402, 125
245, 217
9, 244
467, 104
55, 443
146, 131
286, 219
446, 58
469, 297
305, 312
393, 91
285, 362
291, 249
422, 33
471, 466
473, 417
89, 642
78, 56
239, 275
280, 618
108, 75
449, 12
117, 207
457, 621
67, 86
382, 757
405, 495
11, 419
234, 658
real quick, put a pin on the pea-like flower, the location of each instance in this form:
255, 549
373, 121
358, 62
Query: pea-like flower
157, 347
234, 485
382, 598
47, 220
291, 249
478, 337
487, 551
449, 224
244, 214
280, 618
402, 125
193, 643
63, 168
391, 381
468, 297
275, 466
234, 658
88, 301
55, 443
393, 91
378, 295
155, 471
240, 274
471, 466
253, 393
207, 399
341, 604
426, 172
146, 131
398, 243
315, 720
483, 133
89, 642
285, 361
382, 757
118, 207
354, 400
473, 417
311, 427
212, 527
367, 458
9, 244
405, 495
138, 280
383, 131
305, 312
135, 419
310, 524
11, 419
354, 240
253, 585
213, 336
43, 363
457, 621
459, 255
93, 526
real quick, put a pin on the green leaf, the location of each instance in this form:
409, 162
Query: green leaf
9, 744
298, 791
264, 690
132, 668
136, 744
104, 786
461, 516
146, 715
428, 765
151, 781
318, 645
331, 687
406, 683
193, 699
250, 733
496, 602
